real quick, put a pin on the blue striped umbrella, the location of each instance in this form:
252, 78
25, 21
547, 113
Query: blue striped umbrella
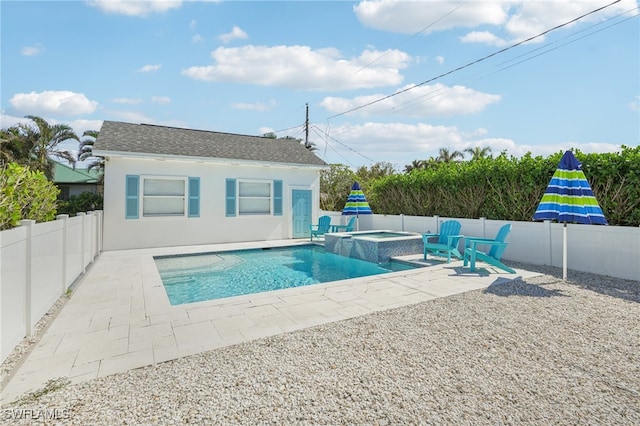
356, 202
569, 198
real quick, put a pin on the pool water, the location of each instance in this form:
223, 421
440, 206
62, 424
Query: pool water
208, 276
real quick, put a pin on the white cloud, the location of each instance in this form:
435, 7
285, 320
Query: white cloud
302, 67
255, 106
519, 20
484, 37
197, 38
150, 68
81, 126
7, 120
518, 150
128, 101
412, 17
161, 100
401, 143
131, 116
439, 59
236, 33
193, 24
435, 100
139, 8
53, 102
634, 105
32, 50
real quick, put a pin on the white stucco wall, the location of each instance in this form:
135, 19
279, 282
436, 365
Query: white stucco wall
212, 226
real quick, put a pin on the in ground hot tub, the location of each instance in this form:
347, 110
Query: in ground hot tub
373, 246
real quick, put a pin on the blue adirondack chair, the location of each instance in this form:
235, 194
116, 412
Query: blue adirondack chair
446, 243
323, 226
493, 256
345, 228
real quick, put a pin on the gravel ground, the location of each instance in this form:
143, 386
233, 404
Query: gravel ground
534, 351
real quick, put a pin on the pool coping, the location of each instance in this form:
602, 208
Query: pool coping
119, 317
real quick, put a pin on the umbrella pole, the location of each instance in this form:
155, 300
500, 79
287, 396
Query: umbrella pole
564, 252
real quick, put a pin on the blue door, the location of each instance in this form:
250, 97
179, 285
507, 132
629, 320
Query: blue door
301, 212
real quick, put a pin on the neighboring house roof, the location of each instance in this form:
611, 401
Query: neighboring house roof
65, 174
117, 138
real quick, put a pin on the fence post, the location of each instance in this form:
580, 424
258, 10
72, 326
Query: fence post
437, 218
99, 231
65, 223
82, 267
92, 231
483, 220
28, 223
549, 241
402, 222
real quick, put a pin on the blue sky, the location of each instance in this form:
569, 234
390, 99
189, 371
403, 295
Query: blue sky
380, 77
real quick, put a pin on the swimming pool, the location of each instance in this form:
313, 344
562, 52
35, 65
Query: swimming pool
208, 276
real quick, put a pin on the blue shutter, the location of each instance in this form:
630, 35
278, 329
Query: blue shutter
231, 198
194, 197
131, 192
277, 198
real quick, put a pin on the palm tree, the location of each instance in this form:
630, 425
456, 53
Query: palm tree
86, 151
446, 156
415, 165
12, 147
478, 153
42, 140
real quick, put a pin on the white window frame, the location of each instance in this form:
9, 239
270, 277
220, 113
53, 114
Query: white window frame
167, 198
251, 200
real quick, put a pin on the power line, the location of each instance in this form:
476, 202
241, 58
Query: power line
524, 58
484, 58
412, 36
342, 144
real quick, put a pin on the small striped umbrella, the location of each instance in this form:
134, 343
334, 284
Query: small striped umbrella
569, 198
356, 203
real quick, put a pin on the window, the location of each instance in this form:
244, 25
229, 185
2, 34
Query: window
254, 198
163, 197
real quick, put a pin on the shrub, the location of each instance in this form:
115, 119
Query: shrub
87, 201
25, 194
509, 188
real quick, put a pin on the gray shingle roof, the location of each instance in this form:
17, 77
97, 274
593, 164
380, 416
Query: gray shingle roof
150, 139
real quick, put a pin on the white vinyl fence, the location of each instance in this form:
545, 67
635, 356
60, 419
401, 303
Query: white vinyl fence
38, 263
604, 250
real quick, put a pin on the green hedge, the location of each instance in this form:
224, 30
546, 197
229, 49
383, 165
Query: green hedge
25, 194
508, 188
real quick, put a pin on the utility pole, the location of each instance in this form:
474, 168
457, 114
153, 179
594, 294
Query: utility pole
306, 128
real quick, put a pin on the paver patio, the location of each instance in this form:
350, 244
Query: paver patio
119, 317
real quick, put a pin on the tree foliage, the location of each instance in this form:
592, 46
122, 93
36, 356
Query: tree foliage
34, 144
335, 185
25, 194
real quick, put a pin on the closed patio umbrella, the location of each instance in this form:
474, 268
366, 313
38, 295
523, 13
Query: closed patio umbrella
569, 198
357, 203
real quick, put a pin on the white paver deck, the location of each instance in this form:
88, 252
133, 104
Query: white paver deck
119, 317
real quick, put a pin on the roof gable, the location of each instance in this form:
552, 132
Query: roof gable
147, 139
65, 174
